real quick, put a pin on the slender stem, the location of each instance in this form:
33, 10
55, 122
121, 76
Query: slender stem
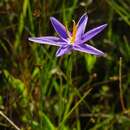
2, 114
75, 106
120, 85
60, 100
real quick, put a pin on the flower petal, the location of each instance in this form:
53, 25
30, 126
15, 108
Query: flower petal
81, 25
59, 27
90, 34
88, 49
48, 40
63, 50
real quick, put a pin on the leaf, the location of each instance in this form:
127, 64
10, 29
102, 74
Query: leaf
47, 124
90, 62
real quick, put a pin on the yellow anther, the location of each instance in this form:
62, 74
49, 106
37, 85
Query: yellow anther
73, 32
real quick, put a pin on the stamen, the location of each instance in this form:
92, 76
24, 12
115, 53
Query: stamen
74, 32
67, 31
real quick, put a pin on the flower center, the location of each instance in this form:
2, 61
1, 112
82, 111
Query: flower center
73, 35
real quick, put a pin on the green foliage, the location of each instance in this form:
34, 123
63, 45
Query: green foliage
122, 8
16, 83
74, 92
90, 62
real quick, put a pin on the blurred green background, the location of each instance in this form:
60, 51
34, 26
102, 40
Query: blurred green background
74, 92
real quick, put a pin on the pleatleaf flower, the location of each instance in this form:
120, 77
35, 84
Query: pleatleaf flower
75, 40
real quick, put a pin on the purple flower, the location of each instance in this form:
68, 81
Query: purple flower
68, 41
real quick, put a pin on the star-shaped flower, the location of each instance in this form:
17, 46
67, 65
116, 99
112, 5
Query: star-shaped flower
75, 40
